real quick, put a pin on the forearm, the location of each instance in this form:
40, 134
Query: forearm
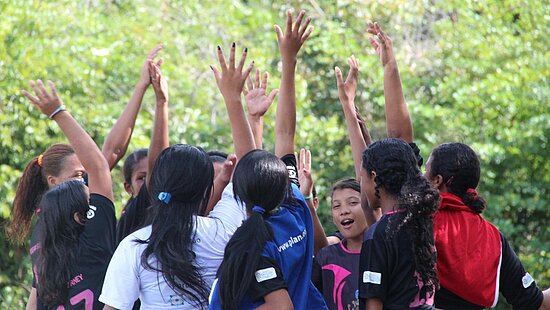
257, 127
319, 238
285, 122
85, 148
159, 137
240, 129
398, 121
358, 144
219, 186
117, 141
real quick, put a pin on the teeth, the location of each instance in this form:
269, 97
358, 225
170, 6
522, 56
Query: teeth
346, 222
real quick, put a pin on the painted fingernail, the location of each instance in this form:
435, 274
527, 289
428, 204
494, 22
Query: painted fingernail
211, 68
246, 49
219, 48
233, 44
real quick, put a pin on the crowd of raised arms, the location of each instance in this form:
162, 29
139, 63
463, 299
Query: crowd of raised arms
208, 230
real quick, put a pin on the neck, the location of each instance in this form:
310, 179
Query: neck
354, 244
388, 204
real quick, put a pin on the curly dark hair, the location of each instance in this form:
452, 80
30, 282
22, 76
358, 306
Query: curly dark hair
459, 167
397, 172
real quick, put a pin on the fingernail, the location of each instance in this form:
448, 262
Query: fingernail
233, 44
211, 68
246, 49
219, 48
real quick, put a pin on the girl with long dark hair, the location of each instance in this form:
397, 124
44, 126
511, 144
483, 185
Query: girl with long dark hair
474, 260
76, 229
397, 263
268, 259
173, 261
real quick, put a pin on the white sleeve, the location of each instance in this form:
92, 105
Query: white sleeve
121, 286
230, 212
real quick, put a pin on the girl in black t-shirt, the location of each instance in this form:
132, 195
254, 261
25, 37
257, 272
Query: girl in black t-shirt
76, 238
397, 263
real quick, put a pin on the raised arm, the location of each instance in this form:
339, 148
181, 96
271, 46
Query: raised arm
230, 80
117, 140
346, 93
220, 182
306, 188
99, 174
398, 121
257, 103
290, 43
159, 138
357, 130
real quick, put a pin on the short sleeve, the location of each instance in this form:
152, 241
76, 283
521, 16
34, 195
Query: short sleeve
267, 278
121, 285
317, 275
100, 228
517, 285
373, 269
291, 166
229, 210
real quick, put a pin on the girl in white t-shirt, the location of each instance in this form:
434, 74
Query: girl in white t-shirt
173, 262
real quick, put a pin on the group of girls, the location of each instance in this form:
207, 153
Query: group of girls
211, 230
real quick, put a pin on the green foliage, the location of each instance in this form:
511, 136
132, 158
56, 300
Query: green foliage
475, 72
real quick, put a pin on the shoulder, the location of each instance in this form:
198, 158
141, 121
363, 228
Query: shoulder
100, 200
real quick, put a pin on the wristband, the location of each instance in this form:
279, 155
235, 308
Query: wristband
59, 109
308, 197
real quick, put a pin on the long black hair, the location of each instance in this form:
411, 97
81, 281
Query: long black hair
186, 173
459, 167
397, 172
58, 237
260, 180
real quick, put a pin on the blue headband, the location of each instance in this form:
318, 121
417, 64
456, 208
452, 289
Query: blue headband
165, 197
258, 210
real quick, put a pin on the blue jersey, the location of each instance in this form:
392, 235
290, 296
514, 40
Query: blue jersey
292, 249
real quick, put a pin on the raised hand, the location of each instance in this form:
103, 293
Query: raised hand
304, 173
145, 76
231, 79
227, 169
159, 82
47, 103
255, 96
384, 45
294, 36
347, 89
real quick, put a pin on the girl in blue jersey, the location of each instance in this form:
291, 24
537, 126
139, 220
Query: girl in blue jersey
269, 258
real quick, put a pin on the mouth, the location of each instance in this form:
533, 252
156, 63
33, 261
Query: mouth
347, 223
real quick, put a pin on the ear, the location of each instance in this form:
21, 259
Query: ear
438, 183
128, 188
315, 202
77, 218
52, 181
372, 174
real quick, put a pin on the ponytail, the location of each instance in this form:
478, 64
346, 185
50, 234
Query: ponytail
420, 200
31, 187
471, 199
261, 182
29, 190
241, 260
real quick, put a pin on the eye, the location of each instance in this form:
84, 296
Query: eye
335, 206
353, 203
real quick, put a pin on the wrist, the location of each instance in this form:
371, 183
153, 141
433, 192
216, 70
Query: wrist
59, 109
142, 84
390, 65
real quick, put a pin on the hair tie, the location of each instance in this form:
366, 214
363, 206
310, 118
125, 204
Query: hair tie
39, 160
450, 181
164, 197
472, 192
258, 210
